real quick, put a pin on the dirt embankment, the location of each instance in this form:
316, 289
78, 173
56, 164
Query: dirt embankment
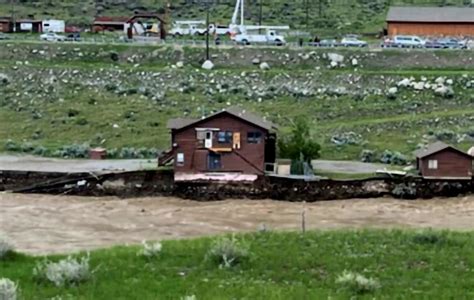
234, 56
58, 224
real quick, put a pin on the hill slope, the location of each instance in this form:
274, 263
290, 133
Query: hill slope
120, 96
321, 16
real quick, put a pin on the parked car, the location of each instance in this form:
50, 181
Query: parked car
353, 42
451, 43
405, 41
4, 36
52, 37
74, 37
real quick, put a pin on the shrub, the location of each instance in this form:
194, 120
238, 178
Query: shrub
357, 283
150, 250
428, 237
11, 146
367, 156
69, 271
5, 248
228, 252
8, 289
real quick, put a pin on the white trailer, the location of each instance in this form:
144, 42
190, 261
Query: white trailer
58, 26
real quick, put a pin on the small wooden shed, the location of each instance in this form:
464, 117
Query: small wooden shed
442, 161
431, 21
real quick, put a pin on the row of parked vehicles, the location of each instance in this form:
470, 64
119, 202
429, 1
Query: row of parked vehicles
409, 41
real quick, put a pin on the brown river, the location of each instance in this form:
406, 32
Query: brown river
41, 224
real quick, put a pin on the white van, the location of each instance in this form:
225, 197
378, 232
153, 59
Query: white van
408, 41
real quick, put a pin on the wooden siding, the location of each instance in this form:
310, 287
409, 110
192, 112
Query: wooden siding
431, 29
250, 158
451, 164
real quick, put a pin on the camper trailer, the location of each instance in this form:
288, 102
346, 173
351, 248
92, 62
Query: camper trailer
58, 26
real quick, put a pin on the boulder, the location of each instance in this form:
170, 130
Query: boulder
337, 58
179, 64
355, 62
4, 79
404, 82
208, 65
419, 86
264, 66
440, 80
256, 61
392, 90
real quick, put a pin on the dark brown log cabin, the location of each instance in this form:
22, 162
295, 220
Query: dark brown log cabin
441, 161
431, 21
230, 141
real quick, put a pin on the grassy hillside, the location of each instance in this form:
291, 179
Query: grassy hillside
391, 264
322, 17
121, 96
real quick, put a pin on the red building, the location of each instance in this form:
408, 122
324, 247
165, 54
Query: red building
431, 21
231, 141
440, 160
109, 24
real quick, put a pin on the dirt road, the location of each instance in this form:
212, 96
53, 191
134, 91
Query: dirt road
59, 224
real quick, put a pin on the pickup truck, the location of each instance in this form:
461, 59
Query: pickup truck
270, 37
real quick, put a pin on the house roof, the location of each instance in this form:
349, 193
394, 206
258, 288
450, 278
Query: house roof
431, 14
235, 111
435, 148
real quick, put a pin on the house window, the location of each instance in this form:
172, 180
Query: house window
214, 161
433, 164
224, 137
254, 137
180, 159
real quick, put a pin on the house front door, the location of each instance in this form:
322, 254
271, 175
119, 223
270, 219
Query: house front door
214, 161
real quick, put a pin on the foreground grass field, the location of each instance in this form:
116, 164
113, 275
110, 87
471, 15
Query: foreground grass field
404, 264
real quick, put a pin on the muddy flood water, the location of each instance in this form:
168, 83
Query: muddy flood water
41, 224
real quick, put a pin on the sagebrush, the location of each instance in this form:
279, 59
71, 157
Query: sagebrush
150, 250
8, 289
357, 283
68, 271
228, 251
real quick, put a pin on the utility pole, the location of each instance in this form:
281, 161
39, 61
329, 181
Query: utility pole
208, 3
307, 13
13, 15
260, 15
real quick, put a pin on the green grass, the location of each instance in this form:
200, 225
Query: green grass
406, 264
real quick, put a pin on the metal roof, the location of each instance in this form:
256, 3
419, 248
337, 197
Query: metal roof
235, 111
431, 14
435, 148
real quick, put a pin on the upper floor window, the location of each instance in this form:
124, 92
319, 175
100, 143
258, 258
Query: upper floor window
224, 137
254, 137
433, 164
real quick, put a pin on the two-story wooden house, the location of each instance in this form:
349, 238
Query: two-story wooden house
231, 142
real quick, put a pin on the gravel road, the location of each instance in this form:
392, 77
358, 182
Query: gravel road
41, 164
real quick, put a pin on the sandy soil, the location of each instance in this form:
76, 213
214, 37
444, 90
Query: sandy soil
58, 224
